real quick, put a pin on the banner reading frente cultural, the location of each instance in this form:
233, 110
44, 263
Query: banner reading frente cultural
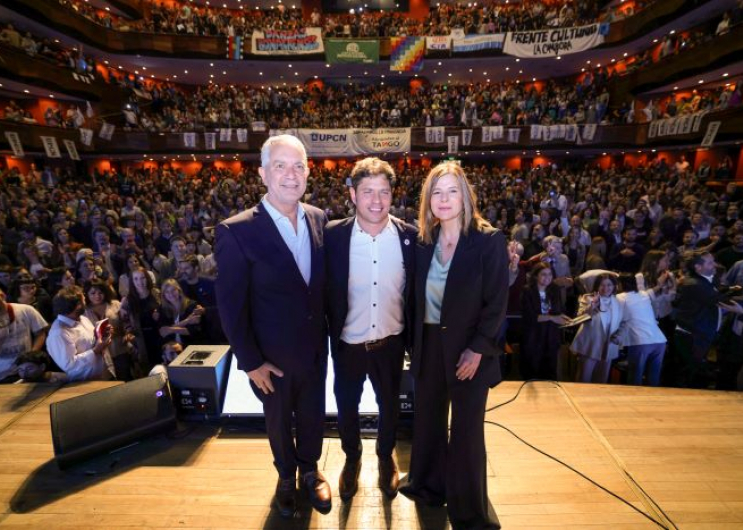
553, 42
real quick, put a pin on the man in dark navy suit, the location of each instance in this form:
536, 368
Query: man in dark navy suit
270, 295
370, 269
698, 309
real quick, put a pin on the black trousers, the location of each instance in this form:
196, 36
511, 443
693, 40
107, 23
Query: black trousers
450, 466
352, 364
299, 399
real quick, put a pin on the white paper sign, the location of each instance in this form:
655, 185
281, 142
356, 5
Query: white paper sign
435, 135
50, 146
71, 149
15, 143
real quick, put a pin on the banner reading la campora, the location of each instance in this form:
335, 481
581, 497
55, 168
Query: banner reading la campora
553, 42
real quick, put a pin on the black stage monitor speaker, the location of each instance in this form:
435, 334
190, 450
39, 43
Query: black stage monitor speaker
89, 425
198, 377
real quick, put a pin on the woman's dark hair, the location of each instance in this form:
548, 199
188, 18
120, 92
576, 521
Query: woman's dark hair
534, 274
605, 276
135, 303
649, 267
628, 282
104, 287
15, 286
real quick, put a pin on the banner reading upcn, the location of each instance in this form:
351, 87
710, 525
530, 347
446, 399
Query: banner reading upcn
287, 42
352, 142
352, 51
554, 42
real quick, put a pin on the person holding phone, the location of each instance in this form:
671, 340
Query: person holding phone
72, 343
597, 342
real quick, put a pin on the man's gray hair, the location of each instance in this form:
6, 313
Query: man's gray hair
550, 239
281, 139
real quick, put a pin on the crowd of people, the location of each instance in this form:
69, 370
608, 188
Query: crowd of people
189, 19
139, 245
356, 105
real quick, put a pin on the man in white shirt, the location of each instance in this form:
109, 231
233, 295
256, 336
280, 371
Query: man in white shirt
22, 329
369, 263
72, 342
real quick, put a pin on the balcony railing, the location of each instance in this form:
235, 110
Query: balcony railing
147, 143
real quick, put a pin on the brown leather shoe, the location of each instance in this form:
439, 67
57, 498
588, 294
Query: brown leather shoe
286, 497
348, 484
389, 479
318, 491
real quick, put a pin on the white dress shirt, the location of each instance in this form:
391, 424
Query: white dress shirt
70, 343
298, 241
639, 320
376, 281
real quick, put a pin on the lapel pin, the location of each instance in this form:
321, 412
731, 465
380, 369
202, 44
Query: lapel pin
407, 241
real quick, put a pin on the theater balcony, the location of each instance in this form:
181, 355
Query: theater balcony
49, 13
721, 51
605, 137
38, 72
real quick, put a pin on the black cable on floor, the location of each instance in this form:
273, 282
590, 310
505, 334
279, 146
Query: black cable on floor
568, 466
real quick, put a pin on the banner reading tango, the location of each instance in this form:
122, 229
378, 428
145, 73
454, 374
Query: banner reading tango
287, 42
554, 42
351, 142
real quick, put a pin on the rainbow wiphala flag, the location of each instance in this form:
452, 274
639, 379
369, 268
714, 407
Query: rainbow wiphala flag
407, 54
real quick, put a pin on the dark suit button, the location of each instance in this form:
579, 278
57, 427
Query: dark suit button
309, 317
375, 283
374, 325
375, 305
375, 261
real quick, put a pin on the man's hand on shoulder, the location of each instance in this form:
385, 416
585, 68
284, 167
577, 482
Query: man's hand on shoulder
261, 376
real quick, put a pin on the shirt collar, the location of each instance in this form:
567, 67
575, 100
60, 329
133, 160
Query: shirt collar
68, 321
389, 227
277, 215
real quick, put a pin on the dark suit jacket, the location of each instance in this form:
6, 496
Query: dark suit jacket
474, 304
337, 239
695, 307
268, 312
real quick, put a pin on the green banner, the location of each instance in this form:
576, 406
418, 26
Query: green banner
352, 51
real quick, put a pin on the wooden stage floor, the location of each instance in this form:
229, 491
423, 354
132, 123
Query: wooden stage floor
684, 448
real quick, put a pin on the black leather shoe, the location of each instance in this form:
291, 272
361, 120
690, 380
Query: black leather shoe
348, 484
389, 479
318, 491
286, 497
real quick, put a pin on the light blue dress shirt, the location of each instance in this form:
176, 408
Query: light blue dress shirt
435, 284
297, 241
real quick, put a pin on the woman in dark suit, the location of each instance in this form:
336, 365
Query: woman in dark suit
461, 295
542, 315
